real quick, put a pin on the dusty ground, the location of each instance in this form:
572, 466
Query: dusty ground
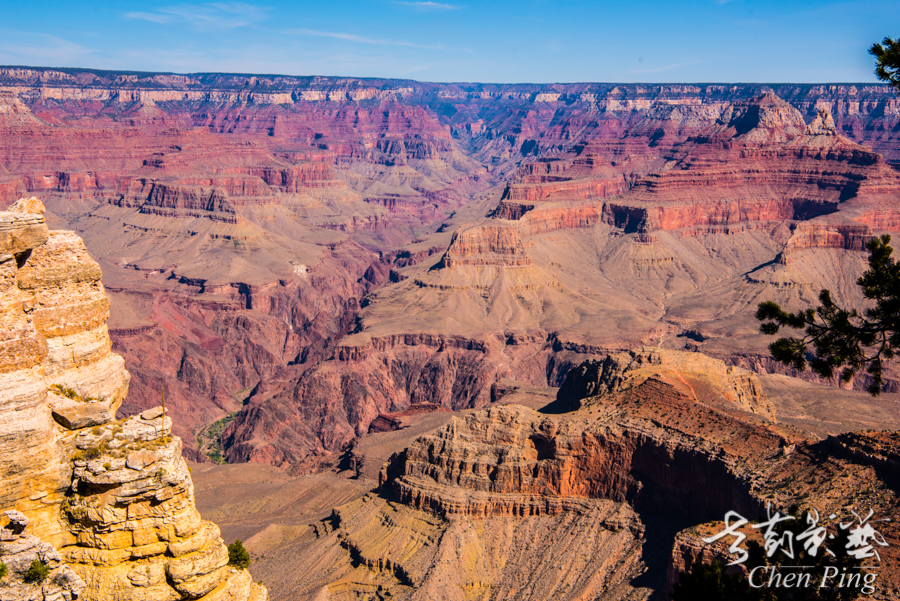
825, 411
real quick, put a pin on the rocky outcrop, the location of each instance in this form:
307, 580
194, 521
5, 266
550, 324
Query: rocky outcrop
69, 308
19, 551
621, 371
816, 235
385, 422
486, 245
511, 461
131, 512
689, 549
645, 468
764, 120
53, 332
112, 500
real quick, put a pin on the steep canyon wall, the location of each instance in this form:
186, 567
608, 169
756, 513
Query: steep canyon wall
107, 504
312, 252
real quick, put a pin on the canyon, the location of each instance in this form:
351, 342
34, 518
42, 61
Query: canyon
599, 489
462, 341
288, 248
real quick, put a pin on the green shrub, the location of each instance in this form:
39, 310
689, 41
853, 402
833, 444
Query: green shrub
38, 572
2, 570
237, 555
71, 393
66, 391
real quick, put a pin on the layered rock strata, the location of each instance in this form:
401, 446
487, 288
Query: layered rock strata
113, 500
737, 387
737, 204
659, 450
19, 551
244, 222
131, 512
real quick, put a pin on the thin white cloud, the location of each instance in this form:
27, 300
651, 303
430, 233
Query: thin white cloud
666, 68
26, 48
214, 15
359, 39
153, 17
429, 5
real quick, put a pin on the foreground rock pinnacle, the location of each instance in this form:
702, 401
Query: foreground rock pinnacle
106, 505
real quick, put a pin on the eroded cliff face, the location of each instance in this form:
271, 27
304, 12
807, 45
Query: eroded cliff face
242, 249
748, 204
108, 504
314, 252
604, 501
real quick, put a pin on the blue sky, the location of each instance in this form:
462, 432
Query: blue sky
462, 40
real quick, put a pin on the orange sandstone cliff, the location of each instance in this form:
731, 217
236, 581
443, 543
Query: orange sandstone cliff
106, 504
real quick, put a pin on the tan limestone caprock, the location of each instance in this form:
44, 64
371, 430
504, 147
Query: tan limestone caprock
113, 499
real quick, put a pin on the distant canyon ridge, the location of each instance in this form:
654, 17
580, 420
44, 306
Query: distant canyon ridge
306, 254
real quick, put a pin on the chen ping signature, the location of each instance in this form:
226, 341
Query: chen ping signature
832, 553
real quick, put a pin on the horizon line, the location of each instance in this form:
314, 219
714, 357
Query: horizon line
483, 83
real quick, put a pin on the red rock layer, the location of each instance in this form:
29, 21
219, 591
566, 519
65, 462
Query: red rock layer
486, 245
66, 160
755, 163
809, 235
591, 156
888, 221
244, 340
385, 422
11, 189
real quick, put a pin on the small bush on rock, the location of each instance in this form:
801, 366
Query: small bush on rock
38, 572
66, 391
237, 555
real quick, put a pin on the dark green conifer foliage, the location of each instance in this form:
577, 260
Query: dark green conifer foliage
887, 61
237, 555
843, 339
